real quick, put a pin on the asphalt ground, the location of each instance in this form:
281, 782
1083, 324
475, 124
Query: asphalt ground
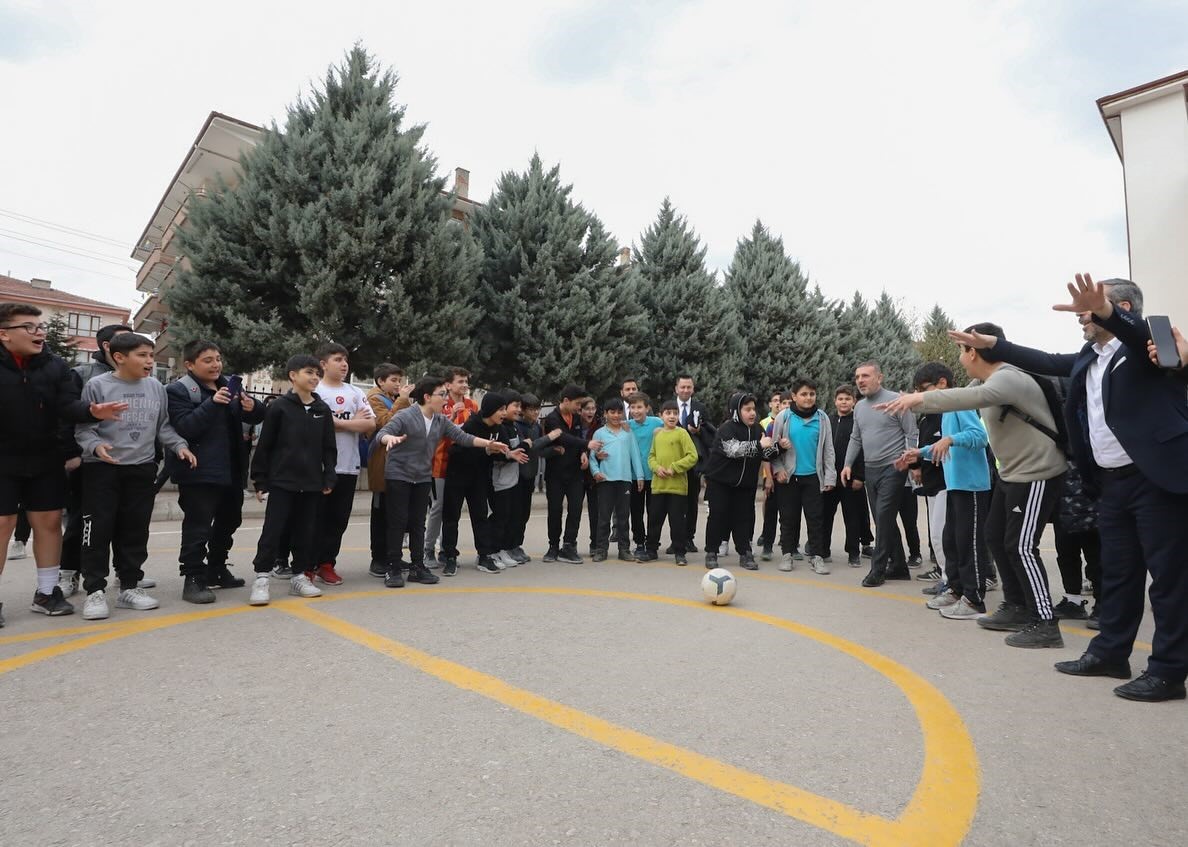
594, 704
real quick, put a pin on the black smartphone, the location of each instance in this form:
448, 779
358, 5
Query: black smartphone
1165, 343
235, 385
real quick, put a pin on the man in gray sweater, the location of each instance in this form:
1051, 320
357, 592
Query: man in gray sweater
411, 436
881, 438
1031, 468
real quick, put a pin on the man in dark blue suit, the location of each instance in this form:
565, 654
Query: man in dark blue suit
1128, 430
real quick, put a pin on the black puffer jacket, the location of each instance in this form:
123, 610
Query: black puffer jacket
39, 407
736, 455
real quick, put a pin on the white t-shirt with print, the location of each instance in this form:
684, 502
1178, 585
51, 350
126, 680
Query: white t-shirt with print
346, 403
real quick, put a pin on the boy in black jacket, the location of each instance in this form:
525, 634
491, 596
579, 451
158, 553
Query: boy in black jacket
732, 470
204, 412
294, 466
468, 479
565, 475
849, 495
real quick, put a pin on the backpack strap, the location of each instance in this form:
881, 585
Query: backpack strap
1028, 419
191, 386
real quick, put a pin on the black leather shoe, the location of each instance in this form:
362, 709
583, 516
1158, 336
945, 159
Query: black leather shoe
873, 580
1090, 665
1151, 689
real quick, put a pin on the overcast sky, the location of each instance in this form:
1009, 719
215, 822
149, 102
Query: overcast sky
948, 151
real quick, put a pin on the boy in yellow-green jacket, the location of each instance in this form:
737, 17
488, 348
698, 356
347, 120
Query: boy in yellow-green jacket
672, 456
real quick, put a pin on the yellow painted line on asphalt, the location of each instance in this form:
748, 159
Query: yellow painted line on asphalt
41, 635
949, 781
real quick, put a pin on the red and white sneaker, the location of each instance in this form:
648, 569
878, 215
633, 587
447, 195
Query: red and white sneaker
326, 574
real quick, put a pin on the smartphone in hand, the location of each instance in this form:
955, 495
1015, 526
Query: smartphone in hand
235, 385
1165, 343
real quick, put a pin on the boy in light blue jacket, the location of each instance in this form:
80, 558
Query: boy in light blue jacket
617, 467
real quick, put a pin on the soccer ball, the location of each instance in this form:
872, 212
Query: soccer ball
719, 586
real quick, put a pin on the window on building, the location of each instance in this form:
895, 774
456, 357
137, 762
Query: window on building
83, 324
162, 373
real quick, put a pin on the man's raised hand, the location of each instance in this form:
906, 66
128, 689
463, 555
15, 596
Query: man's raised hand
976, 340
1087, 296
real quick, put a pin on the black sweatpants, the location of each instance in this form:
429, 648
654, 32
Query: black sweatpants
471, 489
117, 506
771, 514
855, 518
1018, 513
1069, 547
290, 521
691, 500
909, 516
503, 514
731, 512
801, 494
72, 530
334, 514
564, 492
590, 492
210, 516
967, 558
379, 527
407, 504
522, 494
613, 499
672, 507
641, 507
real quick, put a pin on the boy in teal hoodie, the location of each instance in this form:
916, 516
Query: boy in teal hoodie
620, 470
644, 425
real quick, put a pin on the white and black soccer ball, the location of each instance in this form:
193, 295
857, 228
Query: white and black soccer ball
719, 586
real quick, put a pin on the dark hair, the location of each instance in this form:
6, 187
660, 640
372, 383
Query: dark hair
628, 379
530, 401
298, 363
572, 392
639, 397
803, 383
129, 341
670, 406
986, 328
453, 372
107, 333
612, 403
425, 386
196, 348
931, 373
331, 348
787, 395
685, 376
588, 401
510, 395
848, 390
870, 363
7, 310
384, 370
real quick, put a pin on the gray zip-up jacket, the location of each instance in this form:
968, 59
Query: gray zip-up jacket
133, 437
412, 459
826, 460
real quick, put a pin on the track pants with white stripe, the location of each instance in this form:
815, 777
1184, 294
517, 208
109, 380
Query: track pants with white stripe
1018, 513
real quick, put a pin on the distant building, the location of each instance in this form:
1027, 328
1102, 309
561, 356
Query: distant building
83, 316
1149, 128
213, 155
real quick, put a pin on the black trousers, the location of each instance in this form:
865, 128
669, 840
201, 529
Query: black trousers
613, 499
564, 492
884, 489
117, 506
909, 516
1018, 513
522, 494
967, 558
641, 505
731, 512
210, 516
334, 514
72, 530
590, 492
1143, 530
379, 527
290, 522
407, 504
23, 530
473, 490
802, 494
855, 518
771, 513
499, 524
1069, 547
672, 507
691, 500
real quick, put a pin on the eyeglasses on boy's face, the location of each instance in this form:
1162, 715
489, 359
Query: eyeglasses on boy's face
441, 394
31, 328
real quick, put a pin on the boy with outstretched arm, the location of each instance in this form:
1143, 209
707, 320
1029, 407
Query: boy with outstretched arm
119, 485
619, 469
671, 456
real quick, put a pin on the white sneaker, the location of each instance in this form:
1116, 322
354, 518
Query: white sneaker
95, 609
505, 559
786, 562
147, 583
260, 595
724, 549
302, 587
819, 565
961, 611
16, 550
135, 598
68, 582
497, 558
943, 601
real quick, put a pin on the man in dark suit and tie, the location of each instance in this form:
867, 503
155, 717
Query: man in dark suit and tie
1128, 429
695, 417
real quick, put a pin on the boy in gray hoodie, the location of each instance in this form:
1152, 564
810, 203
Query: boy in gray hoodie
118, 486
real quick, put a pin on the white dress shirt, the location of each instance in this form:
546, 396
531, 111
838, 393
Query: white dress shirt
1107, 452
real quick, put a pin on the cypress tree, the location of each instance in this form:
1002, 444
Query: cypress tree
936, 346
556, 307
692, 325
893, 348
337, 230
59, 340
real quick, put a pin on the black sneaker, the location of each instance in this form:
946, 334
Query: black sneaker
625, 555
915, 561
487, 565
711, 561
930, 575
1067, 610
640, 550
520, 556
747, 561
854, 561
1037, 634
421, 574
1094, 620
551, 555
873, 580
868, 552
681, 560
569, 555
196, 591
282, 571
690, 547
647, 556
766, 553
669, 550
1006, 618
394, 578
597, 556
53, 604
378, 569
221, 577
450, 568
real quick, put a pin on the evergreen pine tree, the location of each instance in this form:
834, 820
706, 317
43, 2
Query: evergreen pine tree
892, 344
789, 330
59, 339
692, 325
337, 230
936, 346
556, 308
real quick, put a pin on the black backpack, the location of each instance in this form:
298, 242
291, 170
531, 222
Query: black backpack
1055, 401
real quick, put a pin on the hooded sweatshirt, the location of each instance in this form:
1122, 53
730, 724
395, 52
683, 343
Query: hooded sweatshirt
296, 450
736, 455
